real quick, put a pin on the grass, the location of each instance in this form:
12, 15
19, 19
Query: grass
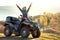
47, 36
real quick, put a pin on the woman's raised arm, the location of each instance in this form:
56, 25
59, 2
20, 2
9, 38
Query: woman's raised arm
18, 7
29, 7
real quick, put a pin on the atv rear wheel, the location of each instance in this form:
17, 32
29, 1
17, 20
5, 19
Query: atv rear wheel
36, 33
24, 32
7, 31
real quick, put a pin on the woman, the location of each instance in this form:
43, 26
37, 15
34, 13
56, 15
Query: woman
24, 11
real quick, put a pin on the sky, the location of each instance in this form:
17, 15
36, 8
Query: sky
8, 7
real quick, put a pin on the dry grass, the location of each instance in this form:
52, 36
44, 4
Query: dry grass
47, 36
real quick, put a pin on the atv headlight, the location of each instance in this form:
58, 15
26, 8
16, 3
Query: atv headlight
37, 25
31, 25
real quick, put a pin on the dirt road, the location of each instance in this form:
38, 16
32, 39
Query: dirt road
14, 38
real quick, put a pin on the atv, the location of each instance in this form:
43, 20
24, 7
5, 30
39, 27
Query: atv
21, 28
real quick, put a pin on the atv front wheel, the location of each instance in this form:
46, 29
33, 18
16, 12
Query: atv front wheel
24, 32
7, 31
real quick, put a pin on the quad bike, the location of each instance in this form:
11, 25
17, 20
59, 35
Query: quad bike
21, 28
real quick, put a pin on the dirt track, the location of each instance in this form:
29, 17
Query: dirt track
12, 38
